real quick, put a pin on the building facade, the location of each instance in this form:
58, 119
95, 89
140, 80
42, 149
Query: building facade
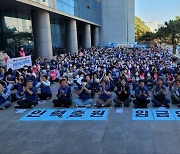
47, 27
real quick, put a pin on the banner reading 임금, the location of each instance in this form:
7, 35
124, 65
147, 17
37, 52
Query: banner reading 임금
17, 63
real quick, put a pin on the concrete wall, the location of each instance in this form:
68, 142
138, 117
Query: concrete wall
117, 21
130, 20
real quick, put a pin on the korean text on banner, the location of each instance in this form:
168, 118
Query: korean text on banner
17, 63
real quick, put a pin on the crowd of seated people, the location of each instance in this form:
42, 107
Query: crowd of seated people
101, 77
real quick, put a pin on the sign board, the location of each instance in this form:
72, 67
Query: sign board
17, 63
156, 114
65, 114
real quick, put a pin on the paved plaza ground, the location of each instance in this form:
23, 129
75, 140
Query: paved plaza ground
118, 134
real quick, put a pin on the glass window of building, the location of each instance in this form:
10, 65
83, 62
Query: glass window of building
58, 36
17, 31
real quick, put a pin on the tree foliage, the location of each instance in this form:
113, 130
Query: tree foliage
140, 28
169, 34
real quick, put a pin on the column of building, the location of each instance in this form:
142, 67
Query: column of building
72, 40
96, 36
43, 39
86, 36
42, 34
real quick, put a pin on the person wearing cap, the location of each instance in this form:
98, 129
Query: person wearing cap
123, 94
4, 96
44, 85
64, 95
160, 95
84, 93
31, 98
141, 94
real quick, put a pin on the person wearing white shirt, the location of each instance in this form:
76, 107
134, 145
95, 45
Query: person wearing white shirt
3, 58
44, 85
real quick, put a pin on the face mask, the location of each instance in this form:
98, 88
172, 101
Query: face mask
48, 66
137, 79
33, 74
22, 49
44, 71
85, 83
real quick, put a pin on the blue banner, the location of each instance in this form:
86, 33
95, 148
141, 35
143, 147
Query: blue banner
156, 114
65, 114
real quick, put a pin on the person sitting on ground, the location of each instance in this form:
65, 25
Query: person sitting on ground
10, 80
64, 95
123, 94
44, 85
149, 81
141, 94
31, 98
54, 75
84, 93
69, 75
89, 85
2, 73
175, 93
160, 95
104, 95
95, 82
20, 84
4, 96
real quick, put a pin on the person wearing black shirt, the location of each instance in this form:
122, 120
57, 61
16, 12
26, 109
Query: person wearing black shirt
123, 93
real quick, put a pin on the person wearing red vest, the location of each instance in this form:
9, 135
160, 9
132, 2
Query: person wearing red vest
21, 52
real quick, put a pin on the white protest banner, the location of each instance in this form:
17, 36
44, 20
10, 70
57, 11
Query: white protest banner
17, 63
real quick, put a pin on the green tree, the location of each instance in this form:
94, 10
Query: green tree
149, 36
140, 28
170, 34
